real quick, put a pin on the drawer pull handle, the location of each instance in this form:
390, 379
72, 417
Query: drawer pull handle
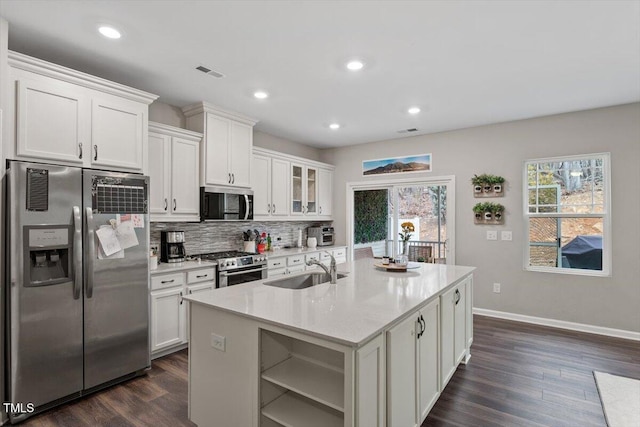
201, 276
168, 281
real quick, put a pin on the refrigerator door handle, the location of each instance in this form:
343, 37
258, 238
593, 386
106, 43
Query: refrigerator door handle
77, 251
92, 253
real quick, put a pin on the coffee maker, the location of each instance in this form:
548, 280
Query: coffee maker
172, 246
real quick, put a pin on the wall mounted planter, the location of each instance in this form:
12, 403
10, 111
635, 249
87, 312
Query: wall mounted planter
488, 213
486, 185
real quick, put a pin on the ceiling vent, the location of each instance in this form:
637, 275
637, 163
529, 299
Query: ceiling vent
209, 71
408, 130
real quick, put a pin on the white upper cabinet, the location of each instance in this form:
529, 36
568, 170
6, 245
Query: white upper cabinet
270, 184
325, 191
68, 117
174, 155
290, 187
226, 150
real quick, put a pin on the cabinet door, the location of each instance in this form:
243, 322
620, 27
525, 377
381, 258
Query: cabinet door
279, 187
447, 337
240, 149
428, 360
460, 323
469, 315
167, 318
261, 185
325, 184
199, 288
52, 121
117, 128
217, 137
370, 384
159, 174
185, 196
401, 374
297, 190
311, 175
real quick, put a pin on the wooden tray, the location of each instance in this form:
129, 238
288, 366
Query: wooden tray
391, 267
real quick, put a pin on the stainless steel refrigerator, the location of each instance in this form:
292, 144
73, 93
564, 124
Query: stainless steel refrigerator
77, 308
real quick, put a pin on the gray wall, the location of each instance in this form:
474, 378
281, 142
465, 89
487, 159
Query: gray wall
501, 149
167, 114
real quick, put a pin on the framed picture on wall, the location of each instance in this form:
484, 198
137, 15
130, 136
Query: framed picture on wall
408, 164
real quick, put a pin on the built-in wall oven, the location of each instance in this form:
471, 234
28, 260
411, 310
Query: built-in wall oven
237, 267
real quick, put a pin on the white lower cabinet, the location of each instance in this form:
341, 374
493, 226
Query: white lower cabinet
168, 326
169, 312
282, 265
454, 325
412, 367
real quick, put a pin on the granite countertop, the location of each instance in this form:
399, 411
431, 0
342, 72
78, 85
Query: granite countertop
174, 267
349, 312
295, 251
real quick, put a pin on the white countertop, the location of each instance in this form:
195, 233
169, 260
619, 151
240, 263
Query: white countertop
304, 250
350, 312
174, 267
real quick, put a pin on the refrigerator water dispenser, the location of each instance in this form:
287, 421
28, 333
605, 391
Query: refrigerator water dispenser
47, 257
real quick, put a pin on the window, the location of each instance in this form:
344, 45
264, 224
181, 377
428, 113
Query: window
567, 209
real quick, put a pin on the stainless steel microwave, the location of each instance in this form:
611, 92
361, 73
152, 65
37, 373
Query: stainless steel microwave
226, 204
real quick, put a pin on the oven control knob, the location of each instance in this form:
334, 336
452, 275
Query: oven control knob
233, 262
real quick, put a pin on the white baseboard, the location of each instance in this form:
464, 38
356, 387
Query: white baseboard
561, 324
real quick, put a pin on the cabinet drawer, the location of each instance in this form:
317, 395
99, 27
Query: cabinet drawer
339, 253
313, 256
167, 281
296, 269
295, 260
205, 274
276, 263
276, 272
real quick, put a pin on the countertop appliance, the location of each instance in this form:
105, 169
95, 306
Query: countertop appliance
172, 246
324, 235
235, 267
77, 319
226, 204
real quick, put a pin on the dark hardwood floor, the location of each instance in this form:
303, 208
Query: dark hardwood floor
519, 375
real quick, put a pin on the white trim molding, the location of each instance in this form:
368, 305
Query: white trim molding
560, 324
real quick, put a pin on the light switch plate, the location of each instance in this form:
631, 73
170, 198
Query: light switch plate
492, 235
218, 342
496, 288
506, 235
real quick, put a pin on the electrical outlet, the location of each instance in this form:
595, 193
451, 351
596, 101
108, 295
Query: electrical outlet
492, 235
506, 235
218, 342
496, 288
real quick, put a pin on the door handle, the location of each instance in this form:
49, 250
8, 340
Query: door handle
233, 178
274, 208
165, 204
95, 155
229, 180
80, 147
269, 208
91, 243
174, 205
457, 293
77, 251
320, 210
181, 300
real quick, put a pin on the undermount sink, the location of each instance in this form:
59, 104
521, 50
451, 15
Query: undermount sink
302, 281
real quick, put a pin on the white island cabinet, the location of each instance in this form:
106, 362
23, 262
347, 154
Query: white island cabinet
364, 351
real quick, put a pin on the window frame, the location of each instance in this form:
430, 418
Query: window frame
605, 215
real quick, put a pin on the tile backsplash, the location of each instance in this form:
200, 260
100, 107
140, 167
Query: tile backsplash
223, 236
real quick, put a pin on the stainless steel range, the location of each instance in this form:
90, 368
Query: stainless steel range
235, 267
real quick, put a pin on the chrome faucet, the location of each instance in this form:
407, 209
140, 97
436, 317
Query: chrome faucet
331, 270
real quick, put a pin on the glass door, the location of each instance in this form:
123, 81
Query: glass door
296, 189
312, 190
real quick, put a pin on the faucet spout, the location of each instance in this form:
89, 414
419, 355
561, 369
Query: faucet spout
332, 270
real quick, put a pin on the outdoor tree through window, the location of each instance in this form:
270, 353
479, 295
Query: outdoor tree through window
567, 214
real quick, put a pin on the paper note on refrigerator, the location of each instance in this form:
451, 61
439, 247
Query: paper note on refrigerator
126, 235
108, 240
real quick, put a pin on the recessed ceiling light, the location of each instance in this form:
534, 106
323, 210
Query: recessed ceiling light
261, 94
413, 110
334, 126
109, 32
355, 65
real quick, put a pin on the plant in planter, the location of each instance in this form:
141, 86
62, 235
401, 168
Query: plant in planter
497, 210
477, 182
479, 209
496, 182
488, 212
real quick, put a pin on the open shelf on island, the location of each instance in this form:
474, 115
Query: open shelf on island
292, 410
319, 383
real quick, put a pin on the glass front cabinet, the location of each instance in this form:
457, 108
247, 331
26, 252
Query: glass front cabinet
304, 190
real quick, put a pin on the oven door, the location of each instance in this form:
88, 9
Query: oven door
241, 275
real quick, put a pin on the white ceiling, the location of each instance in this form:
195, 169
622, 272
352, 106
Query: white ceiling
464, 63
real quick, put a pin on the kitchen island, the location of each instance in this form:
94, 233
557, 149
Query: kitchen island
374, 349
